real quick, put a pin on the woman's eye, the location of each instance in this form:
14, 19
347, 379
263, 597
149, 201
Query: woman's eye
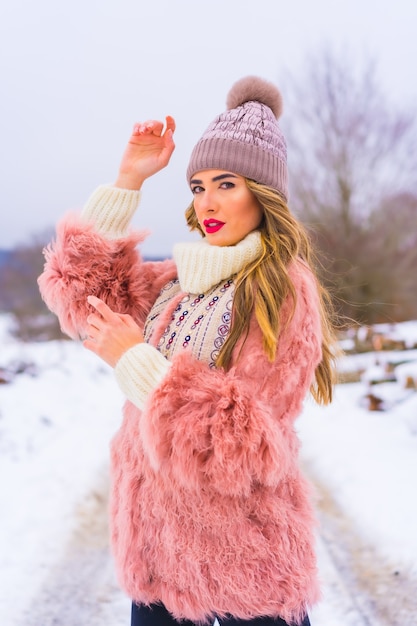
227, 185
196, 189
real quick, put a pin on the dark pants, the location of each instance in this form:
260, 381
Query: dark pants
157, 615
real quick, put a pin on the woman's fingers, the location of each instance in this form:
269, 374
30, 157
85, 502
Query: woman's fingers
110, 334
94, 321
151, 127
154, 127
170, 123
105, 317
101, 307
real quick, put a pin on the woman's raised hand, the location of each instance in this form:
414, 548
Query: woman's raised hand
148, 151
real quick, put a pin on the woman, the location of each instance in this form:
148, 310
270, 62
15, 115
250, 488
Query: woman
215, 351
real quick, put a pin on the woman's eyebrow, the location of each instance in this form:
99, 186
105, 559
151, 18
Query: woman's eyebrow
221, 176
196, 181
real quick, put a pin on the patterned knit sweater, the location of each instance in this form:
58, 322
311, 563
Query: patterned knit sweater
209, 511
199, 322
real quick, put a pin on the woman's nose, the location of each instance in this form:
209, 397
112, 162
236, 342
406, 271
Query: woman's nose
208, 202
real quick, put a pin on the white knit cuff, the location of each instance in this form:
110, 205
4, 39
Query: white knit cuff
111, 210
139, 370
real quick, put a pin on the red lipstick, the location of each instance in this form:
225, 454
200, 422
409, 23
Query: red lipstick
212, 226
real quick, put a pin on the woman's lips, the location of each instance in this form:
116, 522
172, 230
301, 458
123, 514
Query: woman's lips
212, 226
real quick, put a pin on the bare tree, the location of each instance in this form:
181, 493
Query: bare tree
392, 257
353, 160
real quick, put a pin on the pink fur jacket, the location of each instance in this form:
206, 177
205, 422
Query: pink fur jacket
209, 511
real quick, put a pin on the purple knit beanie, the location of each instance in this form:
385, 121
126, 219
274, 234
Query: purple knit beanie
246, 138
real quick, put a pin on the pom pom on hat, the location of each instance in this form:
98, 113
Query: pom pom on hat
254, 88
246, 138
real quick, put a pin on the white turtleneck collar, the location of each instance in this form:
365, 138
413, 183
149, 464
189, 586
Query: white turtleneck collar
202, 266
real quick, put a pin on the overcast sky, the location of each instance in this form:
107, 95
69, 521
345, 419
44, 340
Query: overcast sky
75, 76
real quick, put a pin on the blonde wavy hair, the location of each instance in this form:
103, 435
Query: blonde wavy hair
264, 284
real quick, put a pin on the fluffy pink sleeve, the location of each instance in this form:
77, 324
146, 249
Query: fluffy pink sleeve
235, 429
81, 262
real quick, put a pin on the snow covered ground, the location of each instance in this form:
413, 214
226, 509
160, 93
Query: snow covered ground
56, 420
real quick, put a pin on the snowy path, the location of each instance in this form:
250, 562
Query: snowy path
360, 584
81, 589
